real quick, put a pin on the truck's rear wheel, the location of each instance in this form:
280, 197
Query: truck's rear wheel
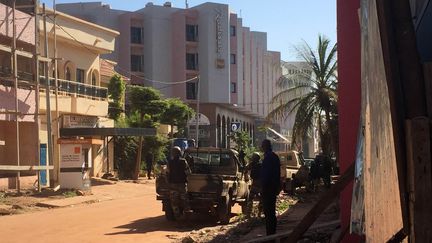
224, 210
169, 213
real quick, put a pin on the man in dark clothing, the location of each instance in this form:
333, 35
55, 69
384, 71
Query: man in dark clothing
177, 171
149, 164
254, 170
270, 185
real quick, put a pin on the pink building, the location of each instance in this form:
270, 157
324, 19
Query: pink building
237, 74
28, 145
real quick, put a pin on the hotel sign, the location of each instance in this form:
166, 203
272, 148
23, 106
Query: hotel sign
77, 121
218, 20
220, 62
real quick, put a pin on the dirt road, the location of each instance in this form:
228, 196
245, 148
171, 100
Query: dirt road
133, 215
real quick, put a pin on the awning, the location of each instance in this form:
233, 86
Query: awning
88, 132
278, 134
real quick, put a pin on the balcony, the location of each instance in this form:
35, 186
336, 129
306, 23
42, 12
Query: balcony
76, 89
76, 98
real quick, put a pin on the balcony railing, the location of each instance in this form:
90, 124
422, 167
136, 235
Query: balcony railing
79, 89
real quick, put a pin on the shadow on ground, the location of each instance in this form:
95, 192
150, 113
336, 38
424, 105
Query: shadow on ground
160, 223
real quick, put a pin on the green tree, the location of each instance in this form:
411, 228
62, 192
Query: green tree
317, 106
177, 114
147, 107
241, 139
116, 91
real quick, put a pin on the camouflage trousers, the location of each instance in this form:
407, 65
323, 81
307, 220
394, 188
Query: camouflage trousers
178, 198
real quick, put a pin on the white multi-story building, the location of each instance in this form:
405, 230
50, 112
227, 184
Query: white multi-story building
309, 144
237, 74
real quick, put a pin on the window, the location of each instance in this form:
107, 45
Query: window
93, 79
68, 74
191, 32
232, 30
233, 88
136, 35
137, 63
233, 58
191, 90
191, 61
80, 77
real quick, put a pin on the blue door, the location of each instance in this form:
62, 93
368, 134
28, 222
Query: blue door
43, 162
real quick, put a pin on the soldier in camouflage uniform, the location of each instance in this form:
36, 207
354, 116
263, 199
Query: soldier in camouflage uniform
177, 171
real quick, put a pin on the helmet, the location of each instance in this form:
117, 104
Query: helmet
176, 151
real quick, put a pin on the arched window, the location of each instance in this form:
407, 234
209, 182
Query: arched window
93, 79
68, 74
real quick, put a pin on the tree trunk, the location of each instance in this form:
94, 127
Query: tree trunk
333, 134
138, 160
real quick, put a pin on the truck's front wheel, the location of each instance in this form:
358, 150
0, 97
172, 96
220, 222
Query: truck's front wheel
224, 210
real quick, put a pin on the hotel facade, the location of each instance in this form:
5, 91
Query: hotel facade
206, 44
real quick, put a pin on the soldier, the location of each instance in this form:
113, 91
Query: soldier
149, 164
270, 185
177, 171
254, 170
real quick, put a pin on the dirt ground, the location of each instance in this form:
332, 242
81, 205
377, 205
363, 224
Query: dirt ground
243, 230
129, 212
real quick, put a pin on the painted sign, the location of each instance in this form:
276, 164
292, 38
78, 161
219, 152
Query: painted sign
76, 121
235, 126
204, 132
71, 156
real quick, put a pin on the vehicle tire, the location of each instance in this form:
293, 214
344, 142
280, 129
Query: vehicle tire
169, 213
224, 210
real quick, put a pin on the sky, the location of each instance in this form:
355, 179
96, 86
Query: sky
287, 22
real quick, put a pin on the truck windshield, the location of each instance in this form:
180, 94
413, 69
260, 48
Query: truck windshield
213, 162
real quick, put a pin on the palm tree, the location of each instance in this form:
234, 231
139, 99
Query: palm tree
316, 105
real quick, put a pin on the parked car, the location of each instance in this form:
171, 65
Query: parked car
294, 170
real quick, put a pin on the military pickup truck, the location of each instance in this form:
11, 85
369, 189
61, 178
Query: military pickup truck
294, 171
217, 181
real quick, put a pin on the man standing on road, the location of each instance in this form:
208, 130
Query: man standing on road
177, 171
270, 183
149, 164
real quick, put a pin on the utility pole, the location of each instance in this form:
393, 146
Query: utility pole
37, 79
197, 112
56, 118
15, 77
47, 93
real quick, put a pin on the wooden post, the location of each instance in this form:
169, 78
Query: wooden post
15, 77
427, 68
37, 79
419, 178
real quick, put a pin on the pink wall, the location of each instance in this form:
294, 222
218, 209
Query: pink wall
349, 68
26, 103
233, 48
179, 53
124, 45
180, 47
24, 22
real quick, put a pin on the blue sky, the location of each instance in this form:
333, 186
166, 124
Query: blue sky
287, 22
